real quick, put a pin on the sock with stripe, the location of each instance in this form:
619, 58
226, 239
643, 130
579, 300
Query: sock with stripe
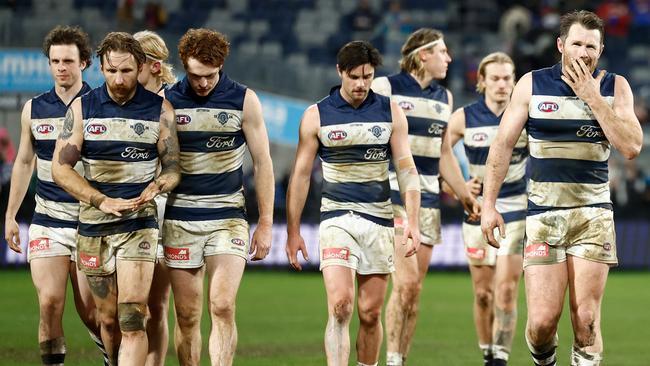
101, 347
580, 357
543, 355
53, 351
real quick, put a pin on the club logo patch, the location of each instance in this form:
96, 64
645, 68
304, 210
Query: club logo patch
336, 253
89, 261
377, 131
44, 128
177, 254
548, 107
139, 128
39, 244
537, 250
225, 117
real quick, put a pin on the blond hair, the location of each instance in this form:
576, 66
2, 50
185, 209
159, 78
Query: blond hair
155, 49
410, 61
494, 57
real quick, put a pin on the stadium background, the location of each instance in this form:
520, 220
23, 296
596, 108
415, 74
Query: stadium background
285, 50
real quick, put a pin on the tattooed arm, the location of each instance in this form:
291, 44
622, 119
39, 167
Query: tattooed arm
67, 153
168, 151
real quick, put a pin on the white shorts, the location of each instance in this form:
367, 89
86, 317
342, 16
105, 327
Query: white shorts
584, 232
47, 242
358, 243
429, 224
480, 253
187, 243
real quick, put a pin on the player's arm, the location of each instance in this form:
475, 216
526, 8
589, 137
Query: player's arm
619, 123
450, 168
67, 153
168, 151
258, 145
407, 177
512, 123
299, 183
20, 177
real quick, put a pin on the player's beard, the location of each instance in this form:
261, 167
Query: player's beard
589, 62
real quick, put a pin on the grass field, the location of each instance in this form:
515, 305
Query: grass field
281, 318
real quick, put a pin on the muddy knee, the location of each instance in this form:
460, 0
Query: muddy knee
131, 316
586, 329
484, 298
343, 310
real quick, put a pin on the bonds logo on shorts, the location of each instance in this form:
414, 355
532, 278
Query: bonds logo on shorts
337, 135
89, 261
336, 253
39, 244
44, 128
537, 250
96, 129
177, 254
183, 119
406, 105
475, 253
548, 107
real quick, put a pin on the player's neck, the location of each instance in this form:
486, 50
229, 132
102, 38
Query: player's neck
153, 85
67, 94
496, 107
121, 100
424, 81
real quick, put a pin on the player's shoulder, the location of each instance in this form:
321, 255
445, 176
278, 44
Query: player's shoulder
381, 85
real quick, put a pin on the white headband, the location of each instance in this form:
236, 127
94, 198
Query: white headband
426, 45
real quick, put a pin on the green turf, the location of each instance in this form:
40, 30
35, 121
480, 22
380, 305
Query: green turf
281, 317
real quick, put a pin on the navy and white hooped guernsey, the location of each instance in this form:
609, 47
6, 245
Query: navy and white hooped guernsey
55, 207
354, 146
568, 149
481, 126
427, 111
120, 157
212, 148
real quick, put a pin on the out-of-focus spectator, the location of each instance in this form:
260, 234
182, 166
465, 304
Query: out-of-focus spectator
641, 111
640, 12
155, 15
394, 28
125, 15
617, 18
361, 20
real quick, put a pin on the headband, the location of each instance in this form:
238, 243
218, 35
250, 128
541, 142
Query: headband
426, 45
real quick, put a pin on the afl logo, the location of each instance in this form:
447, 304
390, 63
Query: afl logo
238, 241
183, 119
45, 128
337, 135
479, 137
96, 129
406, 105
548, 107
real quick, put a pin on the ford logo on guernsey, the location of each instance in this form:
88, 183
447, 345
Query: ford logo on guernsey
95, 129
337, 135
183, 119
376, 154
406, 105
44, 128
548, 107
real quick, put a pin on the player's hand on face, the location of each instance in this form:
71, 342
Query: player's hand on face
296, 243
474, 186
578, 76
412, 233
261, 242
12, 235
491, 219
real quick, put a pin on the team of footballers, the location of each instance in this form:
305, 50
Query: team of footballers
142, 178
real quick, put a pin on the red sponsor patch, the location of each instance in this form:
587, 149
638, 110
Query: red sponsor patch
177, 254
475, 253
537, 250
39, 244
89, 261
336, 253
